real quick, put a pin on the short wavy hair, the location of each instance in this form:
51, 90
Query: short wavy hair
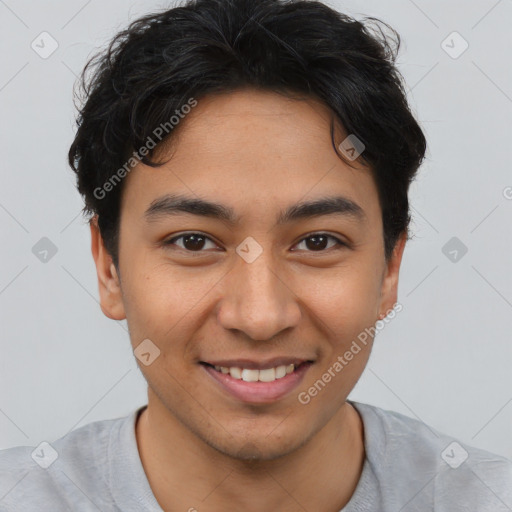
150, 69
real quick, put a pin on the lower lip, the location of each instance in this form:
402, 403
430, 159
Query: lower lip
259, 392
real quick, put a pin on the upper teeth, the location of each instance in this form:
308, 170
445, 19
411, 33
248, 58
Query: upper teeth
249, 375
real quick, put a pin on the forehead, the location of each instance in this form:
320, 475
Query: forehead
251, 150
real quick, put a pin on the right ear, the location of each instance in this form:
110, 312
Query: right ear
111, 299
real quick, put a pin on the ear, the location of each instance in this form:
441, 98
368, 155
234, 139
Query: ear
389, 286
111, 300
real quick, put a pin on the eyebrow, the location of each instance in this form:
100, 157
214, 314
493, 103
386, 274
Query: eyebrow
175, 204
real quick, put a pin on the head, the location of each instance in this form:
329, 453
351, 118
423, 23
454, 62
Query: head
228, 219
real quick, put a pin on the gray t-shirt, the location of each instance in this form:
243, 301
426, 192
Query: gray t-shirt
408, 467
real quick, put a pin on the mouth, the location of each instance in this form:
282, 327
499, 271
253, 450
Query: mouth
253, 382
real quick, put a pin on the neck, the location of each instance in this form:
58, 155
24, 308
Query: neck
186, 474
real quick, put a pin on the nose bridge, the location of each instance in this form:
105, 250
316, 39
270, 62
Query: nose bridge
257, 300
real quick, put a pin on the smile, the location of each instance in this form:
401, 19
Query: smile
249, 375
258, 385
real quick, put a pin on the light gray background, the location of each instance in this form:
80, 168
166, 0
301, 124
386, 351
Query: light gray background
446, 358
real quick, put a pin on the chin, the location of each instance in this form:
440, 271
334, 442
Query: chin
258, 448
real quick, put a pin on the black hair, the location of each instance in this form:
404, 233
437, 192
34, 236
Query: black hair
150, 70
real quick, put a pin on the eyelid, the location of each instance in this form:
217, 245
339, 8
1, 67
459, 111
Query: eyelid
339, 242
170, 241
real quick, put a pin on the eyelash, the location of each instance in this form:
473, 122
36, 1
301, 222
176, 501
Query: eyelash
339, 243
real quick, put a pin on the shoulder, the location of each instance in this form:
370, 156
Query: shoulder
406, 453
66, 471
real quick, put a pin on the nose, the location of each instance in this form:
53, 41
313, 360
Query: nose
258, 300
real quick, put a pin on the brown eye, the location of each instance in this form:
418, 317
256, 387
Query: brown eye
318, 242
192, 242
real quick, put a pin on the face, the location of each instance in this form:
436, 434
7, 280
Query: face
262, 282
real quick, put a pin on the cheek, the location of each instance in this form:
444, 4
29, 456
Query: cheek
346, 300
163, 303
166, 302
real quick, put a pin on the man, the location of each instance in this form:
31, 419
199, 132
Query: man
247, 164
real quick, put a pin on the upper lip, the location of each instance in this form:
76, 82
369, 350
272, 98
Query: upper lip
257, 365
